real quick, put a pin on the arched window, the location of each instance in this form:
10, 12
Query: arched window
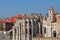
29, 23
26, 22
54, 33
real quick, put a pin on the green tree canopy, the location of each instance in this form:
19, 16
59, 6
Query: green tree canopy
1, 26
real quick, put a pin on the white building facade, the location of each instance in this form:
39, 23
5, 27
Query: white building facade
51, 23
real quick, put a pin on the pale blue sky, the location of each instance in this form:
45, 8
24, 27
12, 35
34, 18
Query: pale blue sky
9, 8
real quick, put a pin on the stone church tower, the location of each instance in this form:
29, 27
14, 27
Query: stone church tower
50, 14
47, 24
49, 21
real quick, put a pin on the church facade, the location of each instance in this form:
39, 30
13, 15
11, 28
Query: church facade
51, 23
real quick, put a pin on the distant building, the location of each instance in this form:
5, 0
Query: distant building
27, 27
51, 24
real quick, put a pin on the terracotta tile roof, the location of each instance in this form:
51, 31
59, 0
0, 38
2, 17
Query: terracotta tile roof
58, 17
20, 16
12, 19
3, 20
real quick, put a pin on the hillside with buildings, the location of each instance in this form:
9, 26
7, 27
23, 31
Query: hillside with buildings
32, 26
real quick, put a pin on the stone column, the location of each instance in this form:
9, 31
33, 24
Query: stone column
16, 33
13, 33
19, 33
27, 27
4, 26
23, 29
39, 27
32, 27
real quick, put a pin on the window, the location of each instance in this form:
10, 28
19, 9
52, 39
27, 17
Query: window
44, 30
29, 23
15, 31
26, 22
54, 33
30, 31
26, 31
38, 20
49, 11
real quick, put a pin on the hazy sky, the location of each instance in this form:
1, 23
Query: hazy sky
9, 8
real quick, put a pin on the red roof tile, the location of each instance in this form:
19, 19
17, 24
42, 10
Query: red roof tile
58, 17
12, 19
3, 20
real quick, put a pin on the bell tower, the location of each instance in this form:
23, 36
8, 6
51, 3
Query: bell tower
50, 14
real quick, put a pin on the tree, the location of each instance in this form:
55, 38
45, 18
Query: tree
1, 26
